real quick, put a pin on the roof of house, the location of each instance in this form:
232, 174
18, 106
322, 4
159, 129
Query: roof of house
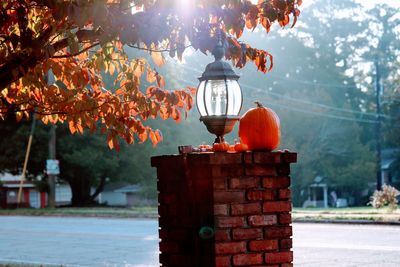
8, 177
388, 157
129, 189
122, 187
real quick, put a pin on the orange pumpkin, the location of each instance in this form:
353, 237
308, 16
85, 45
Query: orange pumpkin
240, 147
221, 147
231, 148
259, 128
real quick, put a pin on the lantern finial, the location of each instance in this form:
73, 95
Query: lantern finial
219, 49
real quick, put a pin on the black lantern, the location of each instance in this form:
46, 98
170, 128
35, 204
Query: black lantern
219, 97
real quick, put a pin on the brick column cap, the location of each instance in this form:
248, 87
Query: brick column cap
222, 158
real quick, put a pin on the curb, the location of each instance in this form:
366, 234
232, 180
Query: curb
364, 222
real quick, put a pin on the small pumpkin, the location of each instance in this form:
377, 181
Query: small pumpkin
231, 148
221, 147
259, 128
240, 147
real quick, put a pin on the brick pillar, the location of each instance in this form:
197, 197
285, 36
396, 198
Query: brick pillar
243, 197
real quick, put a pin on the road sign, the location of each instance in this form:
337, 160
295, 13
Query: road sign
53, 166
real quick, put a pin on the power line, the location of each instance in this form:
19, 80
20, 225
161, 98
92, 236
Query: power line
312, 83
306, 102
319, 104
321, 114
303, 110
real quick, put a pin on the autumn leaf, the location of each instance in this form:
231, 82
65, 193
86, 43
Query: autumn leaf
110, 141
158, 58
155, 137
71, 125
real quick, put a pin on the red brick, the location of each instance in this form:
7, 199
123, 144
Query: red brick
221, 209
267, 157
276, 182
226, 222
278, 232
247, 233
219, 183
248, 157
254, 195
245, 183
231, 170
246, 209
225, 158
222, 235
285, 218
230, 247
283, 169
229, 197
169, 247
216, 171
260, 170
247, 259
279, 257
173, 234
180, 260
287, 265
289, 157
277, 206
285, 193
167, 198
286, 243
263, 245
262, 220
222, 261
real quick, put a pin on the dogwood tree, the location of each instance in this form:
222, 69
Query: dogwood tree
78, 41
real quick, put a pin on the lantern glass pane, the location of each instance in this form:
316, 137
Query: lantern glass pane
216, 97
200, 99
234, 97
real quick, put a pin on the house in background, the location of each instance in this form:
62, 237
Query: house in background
121, 194
9, 187
31, 197
390, 175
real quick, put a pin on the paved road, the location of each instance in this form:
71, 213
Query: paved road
133, 243
317, 245
79, 241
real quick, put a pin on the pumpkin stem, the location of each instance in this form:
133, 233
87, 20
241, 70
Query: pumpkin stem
259, 105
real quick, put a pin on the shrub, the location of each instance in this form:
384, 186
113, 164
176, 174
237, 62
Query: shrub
386, 196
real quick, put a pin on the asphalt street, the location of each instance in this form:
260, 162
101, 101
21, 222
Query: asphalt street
134, 243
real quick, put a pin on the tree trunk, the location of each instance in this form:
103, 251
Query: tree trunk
80, 188
99, 188
81, 193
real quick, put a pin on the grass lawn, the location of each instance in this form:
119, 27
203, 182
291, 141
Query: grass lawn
298, 214
352, 213
134, 212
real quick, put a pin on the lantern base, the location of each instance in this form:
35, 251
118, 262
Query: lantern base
219, 125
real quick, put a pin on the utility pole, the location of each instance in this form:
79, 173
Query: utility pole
28, 150
378, 135
52, 177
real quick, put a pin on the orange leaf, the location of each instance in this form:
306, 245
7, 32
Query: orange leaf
158, 58
155, 137
151, 75
110, 142
160, 81
71, 125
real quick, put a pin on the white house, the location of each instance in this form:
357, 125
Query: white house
120, 194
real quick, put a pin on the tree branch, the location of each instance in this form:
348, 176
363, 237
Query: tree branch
78, 53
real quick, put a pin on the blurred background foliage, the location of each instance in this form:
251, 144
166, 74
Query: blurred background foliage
322, 87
